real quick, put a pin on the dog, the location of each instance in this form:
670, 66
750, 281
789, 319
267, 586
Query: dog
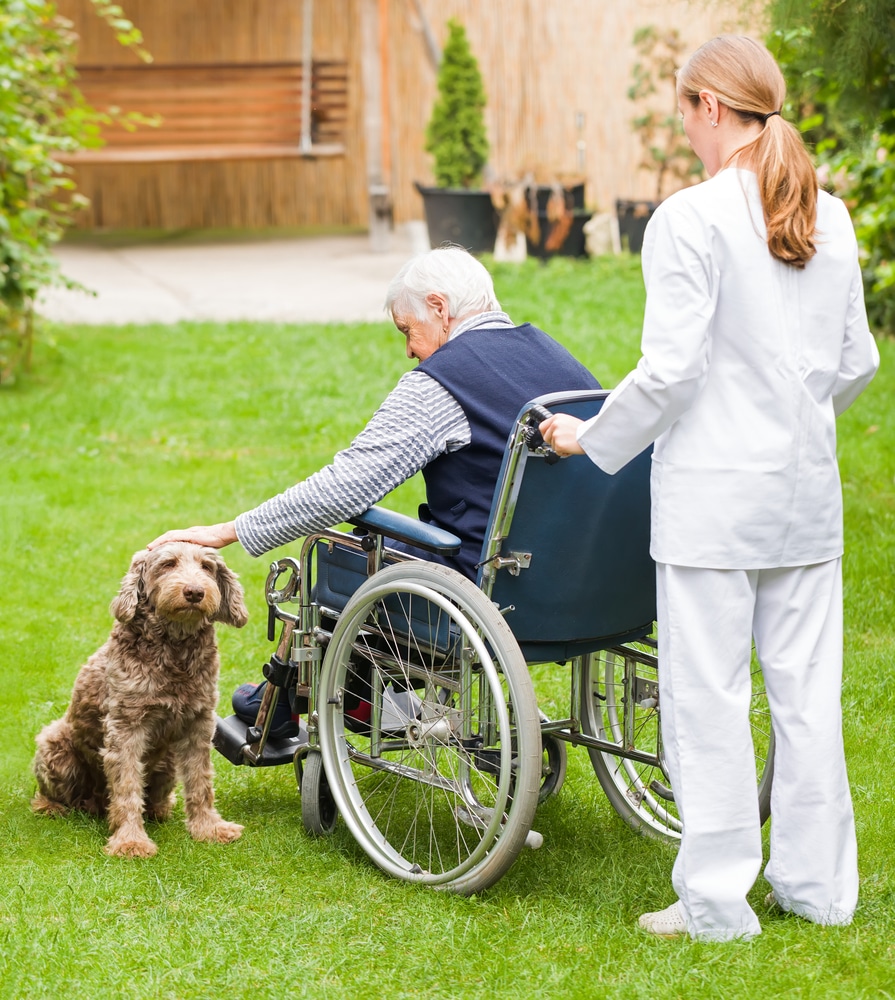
142, 711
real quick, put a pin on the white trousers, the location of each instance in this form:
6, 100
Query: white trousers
707, 619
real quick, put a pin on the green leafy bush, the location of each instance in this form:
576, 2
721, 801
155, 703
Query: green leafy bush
666, 153
456, 134
839, 63
42, 114
865, 178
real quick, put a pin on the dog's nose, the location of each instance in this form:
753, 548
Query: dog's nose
193, 594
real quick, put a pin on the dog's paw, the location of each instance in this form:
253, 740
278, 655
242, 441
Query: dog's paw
48, 807
228, 832
129, 846
221, 832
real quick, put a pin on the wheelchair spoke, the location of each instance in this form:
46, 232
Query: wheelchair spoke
425, 701
620, 704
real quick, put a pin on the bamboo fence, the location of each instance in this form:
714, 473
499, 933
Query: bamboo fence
556, 73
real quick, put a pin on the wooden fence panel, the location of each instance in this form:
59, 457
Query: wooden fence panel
556, 74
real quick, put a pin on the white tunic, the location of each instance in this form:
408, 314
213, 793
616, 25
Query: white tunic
746, 363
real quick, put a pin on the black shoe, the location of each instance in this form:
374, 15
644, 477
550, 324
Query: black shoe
247, 700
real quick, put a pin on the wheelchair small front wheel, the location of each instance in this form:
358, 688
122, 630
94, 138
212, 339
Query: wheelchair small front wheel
429, 728
318, 808
554, 762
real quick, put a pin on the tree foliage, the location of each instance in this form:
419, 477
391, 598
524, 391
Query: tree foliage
666, 152
841, 54
42, 114
456, 134
839, 62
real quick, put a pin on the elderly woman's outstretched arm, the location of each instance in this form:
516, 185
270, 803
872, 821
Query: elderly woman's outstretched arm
418, 421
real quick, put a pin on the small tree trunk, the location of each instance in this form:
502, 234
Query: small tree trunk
16, 340
27, 336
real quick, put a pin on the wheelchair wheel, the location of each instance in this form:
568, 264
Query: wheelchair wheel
554, 761
640, 791
429, 728
318, 810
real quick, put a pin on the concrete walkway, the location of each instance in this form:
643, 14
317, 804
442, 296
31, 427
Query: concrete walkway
310, 279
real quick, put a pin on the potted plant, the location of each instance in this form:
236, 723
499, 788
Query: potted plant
559, 217
665, 150
540, 219
457, 209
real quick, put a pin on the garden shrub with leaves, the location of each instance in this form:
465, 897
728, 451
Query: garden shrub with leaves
865, 179
839, 63
42, 114
666, 153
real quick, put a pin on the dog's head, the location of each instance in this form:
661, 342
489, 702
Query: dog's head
183, 583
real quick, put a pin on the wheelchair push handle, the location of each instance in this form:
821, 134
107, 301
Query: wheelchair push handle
535, 415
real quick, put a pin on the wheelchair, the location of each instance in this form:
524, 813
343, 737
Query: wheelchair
423, 730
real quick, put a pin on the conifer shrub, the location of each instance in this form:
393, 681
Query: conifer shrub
456, 134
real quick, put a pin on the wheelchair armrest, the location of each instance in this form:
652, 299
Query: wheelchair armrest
408, 529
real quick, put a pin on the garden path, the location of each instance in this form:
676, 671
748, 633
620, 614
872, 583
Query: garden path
307, 279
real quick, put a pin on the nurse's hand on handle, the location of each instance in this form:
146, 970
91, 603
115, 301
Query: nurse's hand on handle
559, 432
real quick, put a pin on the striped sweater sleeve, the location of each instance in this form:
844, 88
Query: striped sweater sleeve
418, 421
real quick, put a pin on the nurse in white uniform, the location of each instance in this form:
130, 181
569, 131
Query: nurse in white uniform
755, 338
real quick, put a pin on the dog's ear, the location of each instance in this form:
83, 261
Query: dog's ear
232, 610
124, 604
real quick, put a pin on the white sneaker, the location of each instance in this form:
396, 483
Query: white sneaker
667, 923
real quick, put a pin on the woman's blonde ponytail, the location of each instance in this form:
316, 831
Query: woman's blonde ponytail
788, 185
746, 78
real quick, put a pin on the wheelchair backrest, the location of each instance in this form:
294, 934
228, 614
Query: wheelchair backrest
567, 546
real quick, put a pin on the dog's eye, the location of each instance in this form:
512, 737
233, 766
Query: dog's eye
209, 566
169, 563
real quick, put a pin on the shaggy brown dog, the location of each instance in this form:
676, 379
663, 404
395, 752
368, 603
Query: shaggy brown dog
142, 710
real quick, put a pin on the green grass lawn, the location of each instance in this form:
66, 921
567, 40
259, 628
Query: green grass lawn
121, 433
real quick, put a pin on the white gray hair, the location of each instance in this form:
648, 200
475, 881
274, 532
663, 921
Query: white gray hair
452, 272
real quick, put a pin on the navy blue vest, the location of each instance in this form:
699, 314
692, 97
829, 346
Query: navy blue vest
492, 373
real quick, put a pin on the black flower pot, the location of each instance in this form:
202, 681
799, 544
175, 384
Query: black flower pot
572, 246
460, 217
574, 195
632, 219
574, 243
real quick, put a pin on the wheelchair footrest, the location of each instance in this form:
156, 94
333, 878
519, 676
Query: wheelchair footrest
230, 740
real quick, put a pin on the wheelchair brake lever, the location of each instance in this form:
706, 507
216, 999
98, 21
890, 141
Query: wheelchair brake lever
537, 414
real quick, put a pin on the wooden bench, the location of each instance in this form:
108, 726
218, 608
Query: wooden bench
217, 112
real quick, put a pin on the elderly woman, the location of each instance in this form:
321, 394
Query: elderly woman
450, 417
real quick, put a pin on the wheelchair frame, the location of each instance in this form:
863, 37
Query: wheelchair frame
423, 729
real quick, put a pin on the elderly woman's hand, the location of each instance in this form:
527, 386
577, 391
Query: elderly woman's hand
559, 432
215, 536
